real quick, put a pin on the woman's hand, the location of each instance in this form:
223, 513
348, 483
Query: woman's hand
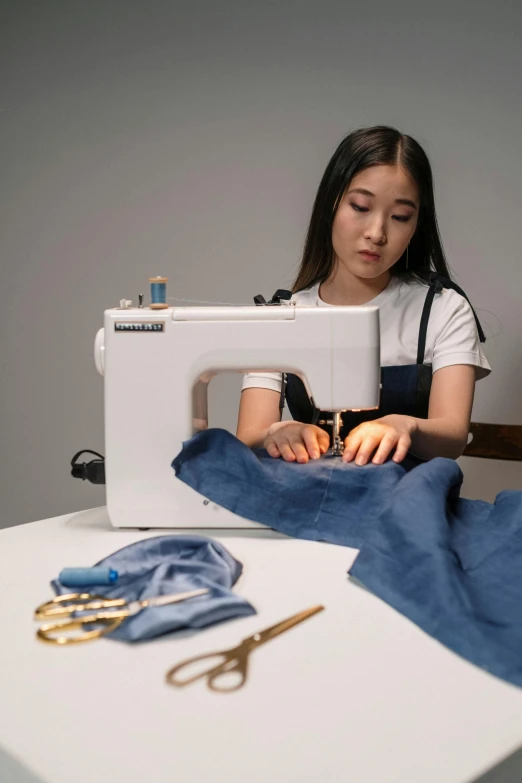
294, 441
381, 436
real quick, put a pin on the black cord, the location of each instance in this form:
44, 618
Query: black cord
93, 471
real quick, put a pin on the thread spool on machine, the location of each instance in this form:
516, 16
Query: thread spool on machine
158, 293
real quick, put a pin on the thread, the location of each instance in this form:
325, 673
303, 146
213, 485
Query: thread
158, 292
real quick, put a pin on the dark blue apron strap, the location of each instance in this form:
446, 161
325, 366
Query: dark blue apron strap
435, 288
447, 283
282, 395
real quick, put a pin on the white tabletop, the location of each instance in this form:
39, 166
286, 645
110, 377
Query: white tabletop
356, 693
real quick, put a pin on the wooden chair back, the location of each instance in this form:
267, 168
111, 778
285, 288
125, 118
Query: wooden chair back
495, 441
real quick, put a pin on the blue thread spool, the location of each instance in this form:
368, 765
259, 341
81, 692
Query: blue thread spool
158, 293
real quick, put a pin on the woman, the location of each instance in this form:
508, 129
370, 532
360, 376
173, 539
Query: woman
373, 239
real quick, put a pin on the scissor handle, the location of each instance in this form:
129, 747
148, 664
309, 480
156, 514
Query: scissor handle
46, 632
60, 605
233, 661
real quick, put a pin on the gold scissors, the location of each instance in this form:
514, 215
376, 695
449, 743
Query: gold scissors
109, 614
235, 660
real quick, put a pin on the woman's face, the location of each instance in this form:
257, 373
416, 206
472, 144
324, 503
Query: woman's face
377, 213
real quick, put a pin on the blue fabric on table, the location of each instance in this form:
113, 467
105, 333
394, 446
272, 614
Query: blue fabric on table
451, 565
322, 500
172, 564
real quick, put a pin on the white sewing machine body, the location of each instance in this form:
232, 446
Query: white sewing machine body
157, 365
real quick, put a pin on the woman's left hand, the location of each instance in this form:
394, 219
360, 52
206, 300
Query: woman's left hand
381, 436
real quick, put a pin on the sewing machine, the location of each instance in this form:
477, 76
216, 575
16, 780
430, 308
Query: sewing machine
157, 365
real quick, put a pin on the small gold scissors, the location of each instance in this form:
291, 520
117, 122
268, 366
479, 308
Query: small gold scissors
235, 660
111, 613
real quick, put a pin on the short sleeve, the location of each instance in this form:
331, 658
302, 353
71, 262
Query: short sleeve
262, 380
456, 339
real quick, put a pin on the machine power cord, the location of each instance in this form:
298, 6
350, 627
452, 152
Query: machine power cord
93, 471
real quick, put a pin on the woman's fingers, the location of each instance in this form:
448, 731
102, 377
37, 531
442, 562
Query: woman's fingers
299, 449
292, 450
367, 447
297, 442
323, 439
385, 447
351, 445
402, 448
362, 442
271, 447
286, 451
311, 441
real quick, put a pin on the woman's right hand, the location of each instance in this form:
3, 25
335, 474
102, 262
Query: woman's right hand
295, 441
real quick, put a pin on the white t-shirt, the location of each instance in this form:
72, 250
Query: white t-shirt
452, 336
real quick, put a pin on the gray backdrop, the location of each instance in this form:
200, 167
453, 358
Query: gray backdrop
187, 139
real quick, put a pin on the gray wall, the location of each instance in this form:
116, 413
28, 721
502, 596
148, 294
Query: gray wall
188, 139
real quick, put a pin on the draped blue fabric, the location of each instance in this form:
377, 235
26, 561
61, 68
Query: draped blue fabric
451, 565
322, 500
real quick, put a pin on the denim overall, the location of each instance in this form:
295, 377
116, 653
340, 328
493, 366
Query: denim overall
405, 389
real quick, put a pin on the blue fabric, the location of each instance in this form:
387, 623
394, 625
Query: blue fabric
322, 500
451, 565
172, 564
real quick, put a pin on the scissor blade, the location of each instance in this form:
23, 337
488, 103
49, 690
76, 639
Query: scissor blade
160, 600
285, 625
163, 600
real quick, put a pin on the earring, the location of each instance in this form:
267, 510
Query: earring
407, 258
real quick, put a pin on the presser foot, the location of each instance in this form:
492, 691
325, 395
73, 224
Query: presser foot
337, 448
337, 444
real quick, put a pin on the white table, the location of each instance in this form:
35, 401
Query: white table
356, 693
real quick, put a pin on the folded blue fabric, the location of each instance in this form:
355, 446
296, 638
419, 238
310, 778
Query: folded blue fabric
451, 565
172, 564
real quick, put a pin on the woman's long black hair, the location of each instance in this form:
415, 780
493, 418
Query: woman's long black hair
379, 145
